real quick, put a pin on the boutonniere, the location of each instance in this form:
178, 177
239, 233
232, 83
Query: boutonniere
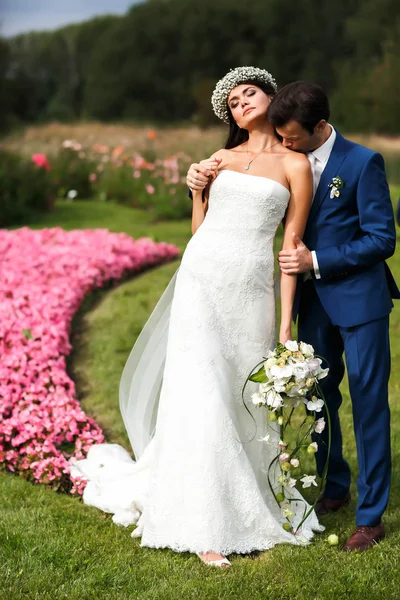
336, 185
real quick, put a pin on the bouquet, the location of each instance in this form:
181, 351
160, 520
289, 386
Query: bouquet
288, 385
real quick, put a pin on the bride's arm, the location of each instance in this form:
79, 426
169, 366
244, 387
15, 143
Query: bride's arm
301, 188
200, 196
199, 209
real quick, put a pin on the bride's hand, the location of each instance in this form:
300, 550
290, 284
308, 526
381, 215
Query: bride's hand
212, 165
201, 174
285, 334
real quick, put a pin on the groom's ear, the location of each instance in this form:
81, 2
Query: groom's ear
320, 126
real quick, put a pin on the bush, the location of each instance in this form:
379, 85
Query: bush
71, 170
25, 188
100, 172
144, 189
117, 184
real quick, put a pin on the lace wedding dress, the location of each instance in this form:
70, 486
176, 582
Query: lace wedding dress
200, 482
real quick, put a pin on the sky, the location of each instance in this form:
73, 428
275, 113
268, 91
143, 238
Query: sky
19, 16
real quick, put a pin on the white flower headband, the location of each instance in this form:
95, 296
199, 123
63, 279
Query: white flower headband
219, 98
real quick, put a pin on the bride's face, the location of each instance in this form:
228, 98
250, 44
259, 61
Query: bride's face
248, 103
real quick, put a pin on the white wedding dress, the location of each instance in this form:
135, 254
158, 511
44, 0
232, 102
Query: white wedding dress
200, 482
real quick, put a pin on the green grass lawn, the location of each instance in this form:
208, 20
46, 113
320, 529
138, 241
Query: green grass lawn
54, 547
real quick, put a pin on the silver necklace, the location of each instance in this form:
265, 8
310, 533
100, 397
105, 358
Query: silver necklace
247, 167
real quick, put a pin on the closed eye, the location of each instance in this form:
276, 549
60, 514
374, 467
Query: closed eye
248, 93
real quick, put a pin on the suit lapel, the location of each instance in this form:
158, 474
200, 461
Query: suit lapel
331, 170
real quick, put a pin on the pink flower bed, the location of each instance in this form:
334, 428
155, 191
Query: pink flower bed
44, 276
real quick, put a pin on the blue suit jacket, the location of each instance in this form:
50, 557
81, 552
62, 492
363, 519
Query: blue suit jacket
353, 235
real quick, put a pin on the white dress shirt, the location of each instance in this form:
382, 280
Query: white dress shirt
318, 159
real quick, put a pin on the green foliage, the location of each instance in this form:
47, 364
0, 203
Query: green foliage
71, 170
260, 376
24, 189
117, 184
202, 91
145, 190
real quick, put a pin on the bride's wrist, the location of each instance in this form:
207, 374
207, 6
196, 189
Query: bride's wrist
197, 194
285, 333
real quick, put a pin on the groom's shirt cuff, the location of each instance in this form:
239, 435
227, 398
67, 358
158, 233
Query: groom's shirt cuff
315, 265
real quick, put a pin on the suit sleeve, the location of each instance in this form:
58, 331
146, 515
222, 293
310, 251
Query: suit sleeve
377, 239
190, 194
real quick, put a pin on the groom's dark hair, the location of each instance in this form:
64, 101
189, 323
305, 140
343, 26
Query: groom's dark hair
300, 101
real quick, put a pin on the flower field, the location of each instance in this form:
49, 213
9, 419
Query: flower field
116, 173
138, 167
45, 276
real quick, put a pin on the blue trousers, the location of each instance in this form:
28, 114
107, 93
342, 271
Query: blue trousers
367, 351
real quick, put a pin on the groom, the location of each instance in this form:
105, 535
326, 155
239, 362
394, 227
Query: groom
344, 299
344, 295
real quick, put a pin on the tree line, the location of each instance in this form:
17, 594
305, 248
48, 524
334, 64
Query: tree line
159, 62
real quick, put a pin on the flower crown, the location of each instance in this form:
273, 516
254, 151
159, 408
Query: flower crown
219, 98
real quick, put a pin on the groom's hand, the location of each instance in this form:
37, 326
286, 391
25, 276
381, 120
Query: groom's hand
200, 174
299, 260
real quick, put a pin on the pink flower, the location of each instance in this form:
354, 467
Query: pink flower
150, 189
40, 291
41, 161
92, 177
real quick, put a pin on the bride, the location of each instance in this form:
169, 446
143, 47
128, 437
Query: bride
199, 484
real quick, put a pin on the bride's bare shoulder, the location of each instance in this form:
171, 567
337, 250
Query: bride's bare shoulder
220, 153
296, 162
295, 158
225, 153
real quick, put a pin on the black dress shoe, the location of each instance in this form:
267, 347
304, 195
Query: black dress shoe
325, 505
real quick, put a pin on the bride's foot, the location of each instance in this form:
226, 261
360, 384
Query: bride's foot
214, 560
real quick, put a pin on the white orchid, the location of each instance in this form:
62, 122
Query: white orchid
312, 448
297, 389
314, 364
315, 405
322, 373
258, 398
294, 462
274, 400
284, 456
301, 372
280, 386
306, 349
292, 345
308, 481
278, 372
270, 362
291, 482
263, 388
320, 425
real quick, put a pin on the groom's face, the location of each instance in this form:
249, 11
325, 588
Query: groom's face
295, 137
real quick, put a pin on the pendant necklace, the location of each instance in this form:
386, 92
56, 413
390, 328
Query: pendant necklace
247, 167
